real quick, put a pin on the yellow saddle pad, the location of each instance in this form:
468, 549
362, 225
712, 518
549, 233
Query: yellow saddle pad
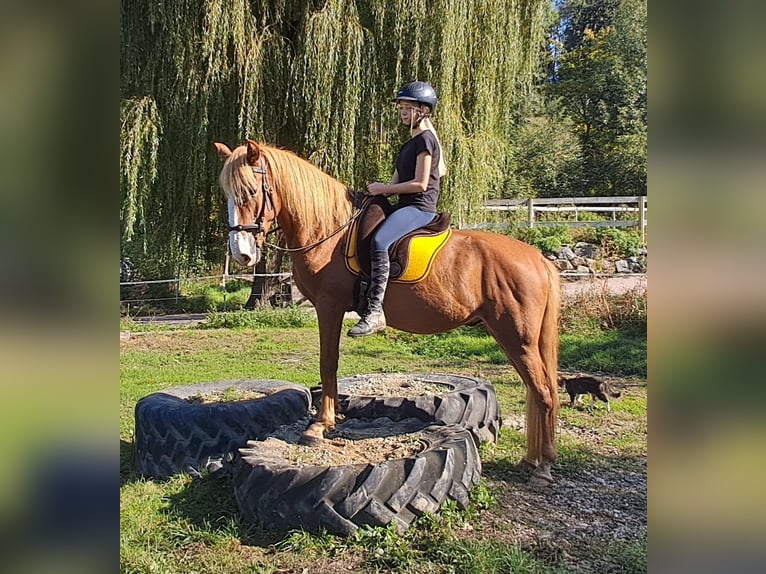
411, 257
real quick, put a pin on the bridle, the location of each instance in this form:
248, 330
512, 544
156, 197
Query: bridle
267, 191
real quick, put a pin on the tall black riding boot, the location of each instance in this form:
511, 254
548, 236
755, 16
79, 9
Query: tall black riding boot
373, 319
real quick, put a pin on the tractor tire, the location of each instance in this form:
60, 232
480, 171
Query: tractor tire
278, 493
174, 435
466, 401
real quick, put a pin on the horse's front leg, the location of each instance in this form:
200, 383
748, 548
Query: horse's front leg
330, 325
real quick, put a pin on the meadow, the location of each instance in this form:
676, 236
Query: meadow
593, 519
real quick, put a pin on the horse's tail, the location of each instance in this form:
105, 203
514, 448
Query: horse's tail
549, 342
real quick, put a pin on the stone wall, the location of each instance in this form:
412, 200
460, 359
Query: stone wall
588, 259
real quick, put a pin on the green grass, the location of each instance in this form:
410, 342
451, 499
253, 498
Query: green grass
287, 318
185, 525
619, 352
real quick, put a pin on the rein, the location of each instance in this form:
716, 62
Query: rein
257, 227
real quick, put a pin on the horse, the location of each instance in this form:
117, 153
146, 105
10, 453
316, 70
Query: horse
477, 277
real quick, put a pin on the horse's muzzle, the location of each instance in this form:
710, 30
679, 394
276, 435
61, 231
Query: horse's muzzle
248, 260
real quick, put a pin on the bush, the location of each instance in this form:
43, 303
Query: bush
548, 239
618, 242
550, 244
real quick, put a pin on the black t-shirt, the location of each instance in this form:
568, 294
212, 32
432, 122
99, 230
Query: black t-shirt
406, 164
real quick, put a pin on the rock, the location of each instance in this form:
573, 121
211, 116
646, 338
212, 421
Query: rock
584, 269
621, 266
563, 265
587, 250
566, 253
638, 268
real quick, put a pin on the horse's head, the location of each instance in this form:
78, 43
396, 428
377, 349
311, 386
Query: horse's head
250, 195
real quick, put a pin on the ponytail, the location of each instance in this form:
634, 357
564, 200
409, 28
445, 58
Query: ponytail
427, 124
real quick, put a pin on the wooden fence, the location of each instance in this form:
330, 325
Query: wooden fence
614, 205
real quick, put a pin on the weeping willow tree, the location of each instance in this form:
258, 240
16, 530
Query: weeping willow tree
315, 77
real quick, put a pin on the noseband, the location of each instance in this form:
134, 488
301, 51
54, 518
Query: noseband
266, 191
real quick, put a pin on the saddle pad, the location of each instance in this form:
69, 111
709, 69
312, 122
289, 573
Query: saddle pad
411, 256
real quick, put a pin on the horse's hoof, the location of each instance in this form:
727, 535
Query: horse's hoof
540, 479
313, 435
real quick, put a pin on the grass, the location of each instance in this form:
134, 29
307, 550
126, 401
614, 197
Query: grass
184, 525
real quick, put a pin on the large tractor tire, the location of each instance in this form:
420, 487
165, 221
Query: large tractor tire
278, 493
465, 401
174, 435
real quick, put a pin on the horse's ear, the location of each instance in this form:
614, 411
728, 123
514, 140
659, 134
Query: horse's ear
223, 150
253, 152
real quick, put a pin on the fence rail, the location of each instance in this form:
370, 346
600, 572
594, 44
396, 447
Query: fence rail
613, 205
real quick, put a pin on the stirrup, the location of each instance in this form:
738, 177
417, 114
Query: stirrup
368, 325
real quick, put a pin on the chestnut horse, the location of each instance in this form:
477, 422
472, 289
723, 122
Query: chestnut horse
476, 277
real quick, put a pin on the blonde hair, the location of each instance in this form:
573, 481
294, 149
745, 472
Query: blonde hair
427, 125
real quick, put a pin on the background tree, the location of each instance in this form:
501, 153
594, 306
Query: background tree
546, 161
600, 82
577, 16
315, 77
537, 98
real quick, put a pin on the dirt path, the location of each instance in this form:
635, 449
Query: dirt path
615, 285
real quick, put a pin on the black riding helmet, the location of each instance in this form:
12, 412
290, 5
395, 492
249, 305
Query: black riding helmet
421, 92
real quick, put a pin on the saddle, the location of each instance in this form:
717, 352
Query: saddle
411, 256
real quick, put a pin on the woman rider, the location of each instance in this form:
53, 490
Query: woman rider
419, 167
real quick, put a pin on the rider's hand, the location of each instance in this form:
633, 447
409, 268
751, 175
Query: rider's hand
377, 188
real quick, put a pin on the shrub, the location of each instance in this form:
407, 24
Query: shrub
550, 244
619, 242
547, 239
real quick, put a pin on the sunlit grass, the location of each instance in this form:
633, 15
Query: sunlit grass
183, 525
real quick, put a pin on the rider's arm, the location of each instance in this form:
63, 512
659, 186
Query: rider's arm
416, 185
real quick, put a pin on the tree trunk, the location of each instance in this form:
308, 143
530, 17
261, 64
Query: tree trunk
258, 287
263, 288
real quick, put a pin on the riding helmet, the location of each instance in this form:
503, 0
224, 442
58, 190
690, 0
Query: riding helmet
421, 92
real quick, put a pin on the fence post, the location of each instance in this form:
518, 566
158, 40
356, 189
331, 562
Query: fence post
531, 209
225, 269
642, 216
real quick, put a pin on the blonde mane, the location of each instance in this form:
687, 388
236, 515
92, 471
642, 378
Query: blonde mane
313, 199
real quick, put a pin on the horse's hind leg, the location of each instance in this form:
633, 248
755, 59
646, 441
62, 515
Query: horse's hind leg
542, 407
542, 402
